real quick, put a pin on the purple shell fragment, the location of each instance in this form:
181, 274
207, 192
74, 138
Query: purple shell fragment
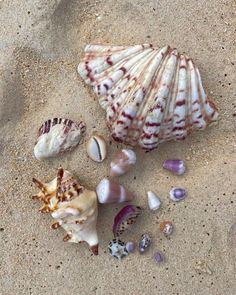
176, 166
130, 247
124, 218
158, 257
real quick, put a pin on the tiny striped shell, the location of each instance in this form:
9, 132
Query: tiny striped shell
112, 192
150, 94
57, 136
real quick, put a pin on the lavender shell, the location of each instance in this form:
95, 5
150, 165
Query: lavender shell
177, 194
109, 191
176, 166
57, 136
158, 257
150, 94
130, 247
124, 218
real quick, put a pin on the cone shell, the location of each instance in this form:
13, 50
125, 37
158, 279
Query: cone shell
109, 191
122, 162
153, 201
73, 207
57, 136
150, 94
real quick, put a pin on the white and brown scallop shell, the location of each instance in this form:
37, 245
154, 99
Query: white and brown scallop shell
57, 136
73, 207
150, 94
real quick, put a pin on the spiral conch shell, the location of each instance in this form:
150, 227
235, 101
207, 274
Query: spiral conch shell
72, 206
150, 94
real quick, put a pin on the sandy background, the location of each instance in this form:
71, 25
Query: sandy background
41, 44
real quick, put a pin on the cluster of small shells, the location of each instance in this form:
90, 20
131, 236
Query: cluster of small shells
143, 108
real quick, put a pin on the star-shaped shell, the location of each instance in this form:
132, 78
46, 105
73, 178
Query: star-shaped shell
150, 94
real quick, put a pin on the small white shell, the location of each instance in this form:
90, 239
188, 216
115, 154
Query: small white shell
153, 201
112, 192
122, 162
96, 148
57, 136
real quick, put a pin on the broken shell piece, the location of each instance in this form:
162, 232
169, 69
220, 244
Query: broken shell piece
176, 166
159, 257
122, 162
144, 243
153, 201
96, 148
201, 266
109, 191
166, 227
117, 249
124, 218
177, 194
150, 94
130, 247
72, 206
57, 136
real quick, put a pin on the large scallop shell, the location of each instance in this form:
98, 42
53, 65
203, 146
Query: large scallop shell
150, 94
72, 206
57, 136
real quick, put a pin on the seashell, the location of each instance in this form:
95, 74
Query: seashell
166, 227
125, 218
176, 166
144, 243
117, 249
122, 162
112, 192
177, 194
150, 94
153, 201
159, 257
96, 148
72, 206
57, 136
130, 247
201, 266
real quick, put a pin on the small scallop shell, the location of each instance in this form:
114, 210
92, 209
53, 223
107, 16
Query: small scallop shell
96, 148
150, 94
122, 162
57, 136
112, 192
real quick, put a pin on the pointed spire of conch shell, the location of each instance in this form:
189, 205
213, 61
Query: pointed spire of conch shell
150, 94
72, 206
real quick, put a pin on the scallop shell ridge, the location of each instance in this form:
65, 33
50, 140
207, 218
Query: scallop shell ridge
150, 94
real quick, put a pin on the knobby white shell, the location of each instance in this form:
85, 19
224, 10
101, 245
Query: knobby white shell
122, 162
150, 94
57, 136
153, 201
72, 206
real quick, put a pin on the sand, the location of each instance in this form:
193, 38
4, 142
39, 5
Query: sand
41, 45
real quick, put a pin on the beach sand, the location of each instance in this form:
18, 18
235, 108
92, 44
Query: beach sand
42, 42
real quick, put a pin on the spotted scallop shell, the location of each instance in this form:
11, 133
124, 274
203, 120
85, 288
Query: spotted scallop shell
150, 94
57, 136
